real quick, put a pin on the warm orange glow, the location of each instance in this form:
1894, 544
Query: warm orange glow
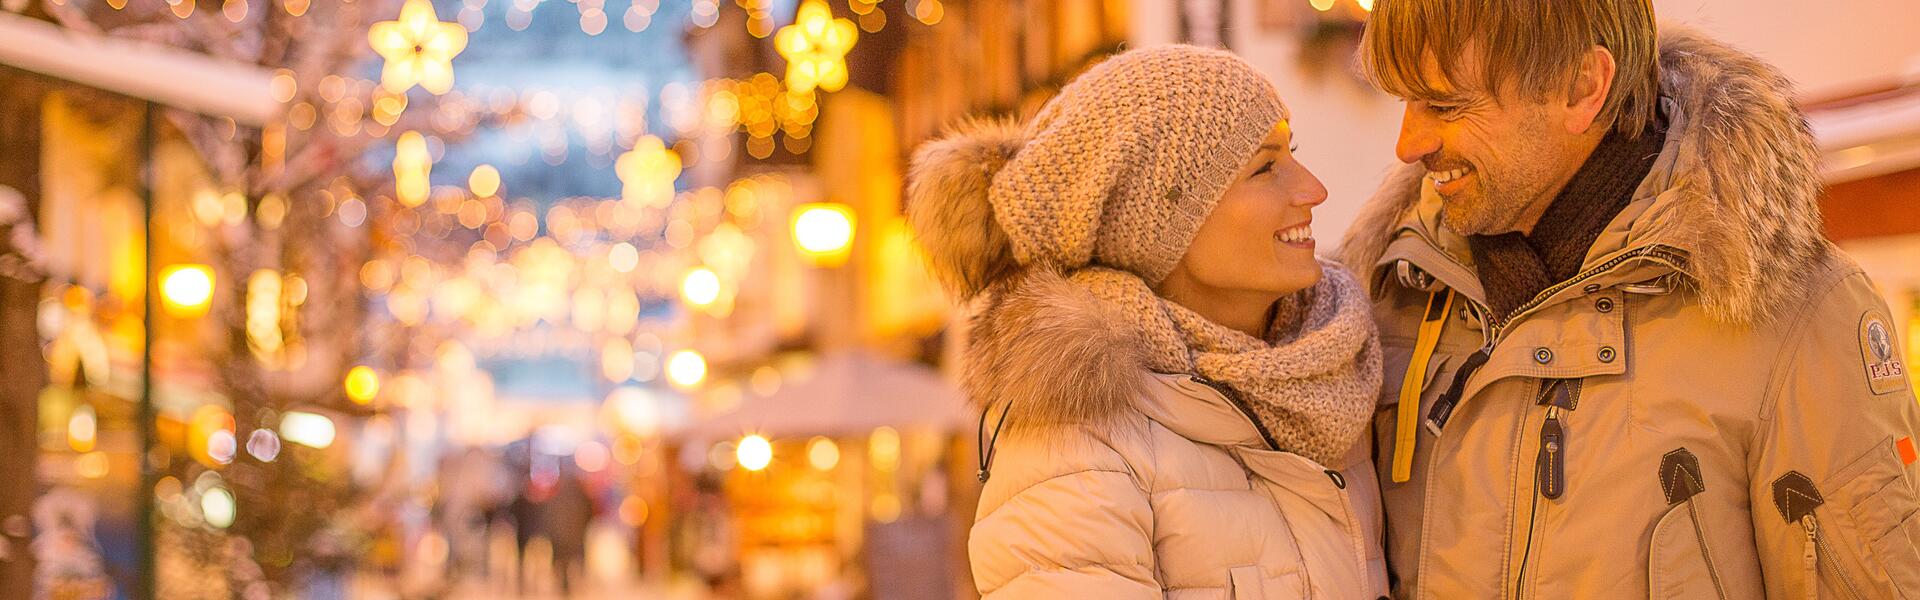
362, 384
823, 231
186, 290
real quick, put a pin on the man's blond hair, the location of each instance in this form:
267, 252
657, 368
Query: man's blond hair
1530, 45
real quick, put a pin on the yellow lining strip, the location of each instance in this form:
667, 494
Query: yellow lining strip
1439, 304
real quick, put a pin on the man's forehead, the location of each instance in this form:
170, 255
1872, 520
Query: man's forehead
1453, 79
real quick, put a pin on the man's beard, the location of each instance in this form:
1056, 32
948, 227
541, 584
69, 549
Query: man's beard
1501, 195
1489, 208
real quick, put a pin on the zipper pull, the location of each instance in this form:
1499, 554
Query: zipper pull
1810, 555
1553, 456
1443, 406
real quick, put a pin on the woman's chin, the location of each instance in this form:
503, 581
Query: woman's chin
1296, 272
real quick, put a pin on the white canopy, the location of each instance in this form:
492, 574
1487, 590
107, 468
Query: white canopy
845, 394
1872, 135
154, 72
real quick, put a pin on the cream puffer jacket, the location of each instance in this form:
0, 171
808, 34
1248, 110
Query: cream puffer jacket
1170, 492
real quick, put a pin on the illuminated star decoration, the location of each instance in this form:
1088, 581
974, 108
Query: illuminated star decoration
815, 47
418, 48
647, 173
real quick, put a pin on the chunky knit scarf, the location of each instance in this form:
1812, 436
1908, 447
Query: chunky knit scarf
1514, 268
1311, 384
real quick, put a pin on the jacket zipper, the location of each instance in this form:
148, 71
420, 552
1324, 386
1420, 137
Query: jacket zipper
1815, 553
1550, 477
1656, 252
1493, 331
1233, 398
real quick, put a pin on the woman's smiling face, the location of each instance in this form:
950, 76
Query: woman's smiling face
1259, 238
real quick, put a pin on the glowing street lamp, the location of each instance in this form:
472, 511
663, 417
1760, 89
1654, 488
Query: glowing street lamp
823, 231
754, 452
186, 290
418, 48
701, 287
686, 369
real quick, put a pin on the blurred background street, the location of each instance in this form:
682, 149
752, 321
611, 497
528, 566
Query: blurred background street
598, 298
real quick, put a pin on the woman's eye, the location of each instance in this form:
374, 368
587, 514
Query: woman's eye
1265, 168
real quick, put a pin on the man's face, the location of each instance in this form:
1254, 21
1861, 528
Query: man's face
1495, 159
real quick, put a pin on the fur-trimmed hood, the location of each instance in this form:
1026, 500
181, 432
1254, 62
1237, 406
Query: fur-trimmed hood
1053, 352
1735, 188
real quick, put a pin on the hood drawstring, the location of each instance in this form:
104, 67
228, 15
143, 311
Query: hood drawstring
986, 449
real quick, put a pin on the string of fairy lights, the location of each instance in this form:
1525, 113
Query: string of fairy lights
564, 275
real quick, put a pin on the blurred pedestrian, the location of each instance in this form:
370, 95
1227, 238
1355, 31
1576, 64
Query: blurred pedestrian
567, 514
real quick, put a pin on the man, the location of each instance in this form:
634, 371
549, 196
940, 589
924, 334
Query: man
1621, 359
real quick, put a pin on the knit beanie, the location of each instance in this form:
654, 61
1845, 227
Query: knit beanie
1119, 170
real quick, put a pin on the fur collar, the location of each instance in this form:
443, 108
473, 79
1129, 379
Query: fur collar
1736, 187
1052, 351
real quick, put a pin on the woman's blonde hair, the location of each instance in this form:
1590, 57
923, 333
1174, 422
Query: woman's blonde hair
1531, 45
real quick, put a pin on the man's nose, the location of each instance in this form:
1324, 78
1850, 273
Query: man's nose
1417, 136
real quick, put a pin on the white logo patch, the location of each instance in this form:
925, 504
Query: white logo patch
1885, 373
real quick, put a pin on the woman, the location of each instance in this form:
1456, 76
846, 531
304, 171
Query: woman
1171, 381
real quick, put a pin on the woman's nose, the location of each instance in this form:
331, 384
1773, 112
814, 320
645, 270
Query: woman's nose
1310, 192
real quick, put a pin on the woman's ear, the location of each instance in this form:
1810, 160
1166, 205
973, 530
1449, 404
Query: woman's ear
1588, 95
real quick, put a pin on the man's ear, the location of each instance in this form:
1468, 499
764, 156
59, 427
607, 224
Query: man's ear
1589, 91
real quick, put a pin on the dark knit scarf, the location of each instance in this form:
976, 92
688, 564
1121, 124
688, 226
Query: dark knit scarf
1515, 267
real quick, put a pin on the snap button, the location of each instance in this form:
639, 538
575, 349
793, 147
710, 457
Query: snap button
1592, 287
1606, 354
1603, 305
1543, 356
